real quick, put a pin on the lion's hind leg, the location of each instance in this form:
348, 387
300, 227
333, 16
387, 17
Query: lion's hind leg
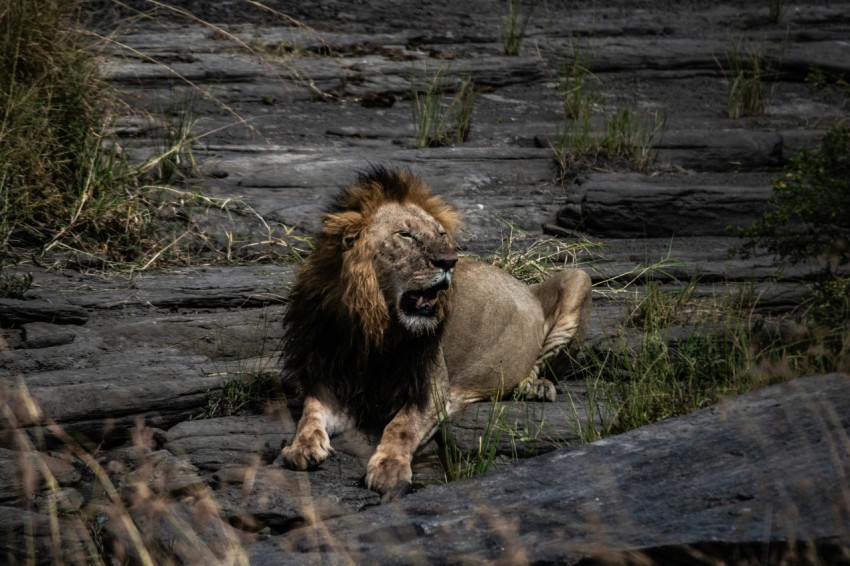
565, 298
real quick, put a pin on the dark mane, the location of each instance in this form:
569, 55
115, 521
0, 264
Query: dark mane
330, 343
321, 350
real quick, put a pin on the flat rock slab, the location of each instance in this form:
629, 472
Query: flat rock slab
764, 475
15, 312
203, 287
627, 206
104, 401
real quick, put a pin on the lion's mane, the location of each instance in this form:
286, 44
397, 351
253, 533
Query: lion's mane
338, 331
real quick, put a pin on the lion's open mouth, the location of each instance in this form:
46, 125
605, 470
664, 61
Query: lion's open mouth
423, 302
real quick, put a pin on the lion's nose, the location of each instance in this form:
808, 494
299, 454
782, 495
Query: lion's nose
444, 261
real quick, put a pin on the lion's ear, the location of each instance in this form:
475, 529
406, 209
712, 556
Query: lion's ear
446, 215
345, 226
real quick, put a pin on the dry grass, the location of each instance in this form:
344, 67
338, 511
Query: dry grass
69, 194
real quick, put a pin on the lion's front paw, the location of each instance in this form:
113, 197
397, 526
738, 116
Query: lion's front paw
308, 450
386, 472
536, 389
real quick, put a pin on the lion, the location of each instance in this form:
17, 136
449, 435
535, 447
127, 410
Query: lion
387, 327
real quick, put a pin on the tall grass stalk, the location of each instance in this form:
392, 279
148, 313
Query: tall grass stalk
574, 138
438, 123
512, 27
459, 465
745, 72
176, 136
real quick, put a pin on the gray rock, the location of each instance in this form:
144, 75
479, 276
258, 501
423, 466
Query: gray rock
186, 531
273, 498
764, 474
623, 206
213, 444
238, 455
43, 538
224, 336
15, 312
46, 335
86, 349
25, 473
200, 288
104, 401
728, 150
139, 469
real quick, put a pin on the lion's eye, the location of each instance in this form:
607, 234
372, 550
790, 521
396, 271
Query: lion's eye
406, 235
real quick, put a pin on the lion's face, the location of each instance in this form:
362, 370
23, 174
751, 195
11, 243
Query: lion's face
413, 257
384, 258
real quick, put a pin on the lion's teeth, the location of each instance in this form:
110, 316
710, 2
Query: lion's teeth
420, 301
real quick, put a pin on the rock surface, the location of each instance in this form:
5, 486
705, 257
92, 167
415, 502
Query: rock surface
762, 478
285, 112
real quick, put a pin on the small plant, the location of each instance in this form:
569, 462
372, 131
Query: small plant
630, 135
174, 157
513, 27
245, 394
437, 123
808, 220
456, 464
827, 84
745, 74
817, 78
807, 214
13, 285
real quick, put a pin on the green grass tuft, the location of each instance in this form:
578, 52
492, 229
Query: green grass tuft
746, 72
512, 27
438, 123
